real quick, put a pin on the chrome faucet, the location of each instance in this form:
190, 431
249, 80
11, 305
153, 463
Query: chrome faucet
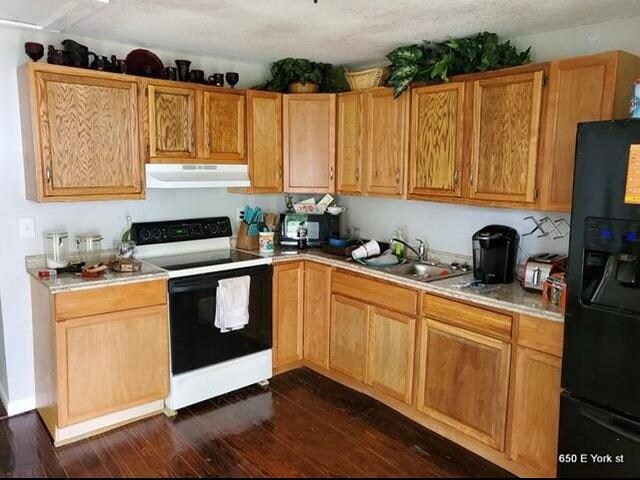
420, 253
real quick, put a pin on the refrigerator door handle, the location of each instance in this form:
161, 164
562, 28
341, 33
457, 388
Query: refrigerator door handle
613, 424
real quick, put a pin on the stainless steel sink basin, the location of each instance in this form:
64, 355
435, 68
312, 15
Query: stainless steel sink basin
423, 272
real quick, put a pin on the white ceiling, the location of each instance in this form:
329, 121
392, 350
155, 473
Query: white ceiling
338, 31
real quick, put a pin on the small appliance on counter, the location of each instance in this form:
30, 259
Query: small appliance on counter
538, 268
495, 250
319, 228
56, 249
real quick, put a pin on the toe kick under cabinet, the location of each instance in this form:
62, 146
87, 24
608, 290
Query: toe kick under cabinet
101, 356
486, 378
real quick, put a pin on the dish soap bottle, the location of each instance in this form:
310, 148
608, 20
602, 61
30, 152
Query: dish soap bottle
397, 248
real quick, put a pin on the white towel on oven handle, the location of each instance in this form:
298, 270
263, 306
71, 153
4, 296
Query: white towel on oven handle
232, 303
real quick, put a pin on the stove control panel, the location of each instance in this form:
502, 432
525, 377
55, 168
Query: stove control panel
148, 233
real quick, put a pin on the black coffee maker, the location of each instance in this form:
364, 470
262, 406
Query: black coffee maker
495, 251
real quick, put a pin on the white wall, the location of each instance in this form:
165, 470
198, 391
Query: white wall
108, 218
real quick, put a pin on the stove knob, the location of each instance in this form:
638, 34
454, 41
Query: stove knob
156, 233
145, 234
213, 228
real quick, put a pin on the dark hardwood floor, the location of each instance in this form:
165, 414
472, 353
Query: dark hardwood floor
303, 425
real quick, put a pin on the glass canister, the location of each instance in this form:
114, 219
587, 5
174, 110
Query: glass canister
56, 249
90, 248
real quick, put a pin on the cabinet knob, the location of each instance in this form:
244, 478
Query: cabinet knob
48, 174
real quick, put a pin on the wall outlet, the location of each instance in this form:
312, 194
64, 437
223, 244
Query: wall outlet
27, 227
239, 215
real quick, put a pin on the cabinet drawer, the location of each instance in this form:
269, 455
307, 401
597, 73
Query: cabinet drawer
468, 316
398, 299
540, 334
83, 303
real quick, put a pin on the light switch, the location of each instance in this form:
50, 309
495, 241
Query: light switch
27, 228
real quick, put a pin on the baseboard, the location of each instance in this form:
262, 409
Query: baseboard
18, 406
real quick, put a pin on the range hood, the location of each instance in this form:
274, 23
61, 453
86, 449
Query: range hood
161, 175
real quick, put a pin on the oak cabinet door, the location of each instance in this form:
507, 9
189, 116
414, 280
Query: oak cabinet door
309, 142
437, 140
349, 337
317, 316
264, 141
463, 381
349, 151
111, 362
386, 123
288, 312
536, 410
580, 90
173, 124
506, 124
224, 127
89, 136
391, 353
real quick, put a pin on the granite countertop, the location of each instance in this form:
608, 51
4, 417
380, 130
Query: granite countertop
511, 297
66, 282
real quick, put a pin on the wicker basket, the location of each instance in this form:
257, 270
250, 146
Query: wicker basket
374, 77
299, 87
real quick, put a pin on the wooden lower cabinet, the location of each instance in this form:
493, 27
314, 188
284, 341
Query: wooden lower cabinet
128, 349
463, 381
101, 356
392, 339
536, 409
288, 313
317, 313
349, 337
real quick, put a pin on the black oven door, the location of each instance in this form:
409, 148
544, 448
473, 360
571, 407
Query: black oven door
195, 340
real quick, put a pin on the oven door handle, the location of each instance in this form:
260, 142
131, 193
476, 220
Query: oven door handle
193, 286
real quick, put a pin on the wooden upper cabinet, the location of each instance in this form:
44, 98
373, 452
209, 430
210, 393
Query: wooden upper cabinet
82, 134
536, 409
349, 337
392, 340
264, 141
173, 124
463, 381
595, 87
385, 142
505, 134
349, 149
288, 313
317, 313
224, 127
309, 143
437, 140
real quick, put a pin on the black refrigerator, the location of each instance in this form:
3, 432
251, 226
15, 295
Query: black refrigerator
599, 432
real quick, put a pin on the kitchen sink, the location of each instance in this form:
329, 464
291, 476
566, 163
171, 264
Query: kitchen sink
423, 272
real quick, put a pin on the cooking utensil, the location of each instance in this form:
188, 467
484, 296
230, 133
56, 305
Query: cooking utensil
56, 248
183, 70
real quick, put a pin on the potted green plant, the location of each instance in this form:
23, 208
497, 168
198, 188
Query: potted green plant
299, 75
435, 62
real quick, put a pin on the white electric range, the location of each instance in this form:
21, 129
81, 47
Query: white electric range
196, 254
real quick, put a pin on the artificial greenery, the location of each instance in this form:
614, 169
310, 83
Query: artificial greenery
331, 79
433, 62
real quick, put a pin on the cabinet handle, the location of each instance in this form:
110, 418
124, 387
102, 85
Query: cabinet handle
357, 174
455, 177
471, 178
331, 173
398, 175
48, 174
